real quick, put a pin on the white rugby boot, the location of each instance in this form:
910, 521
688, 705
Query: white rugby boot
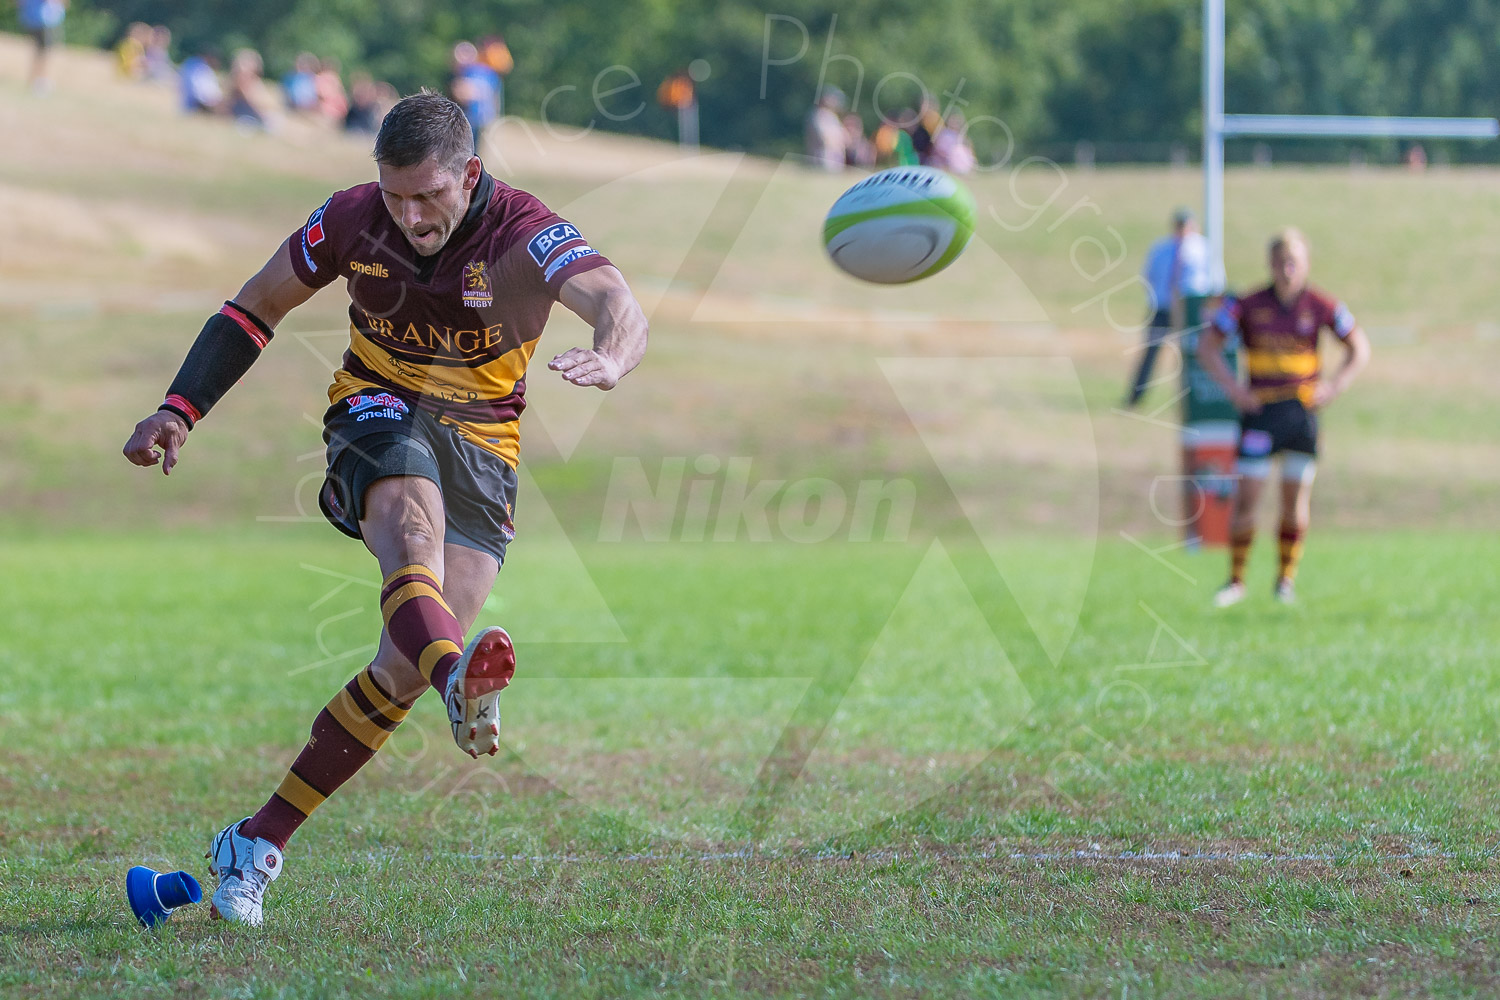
473, 694
244, 867
1285, 592
1230, 594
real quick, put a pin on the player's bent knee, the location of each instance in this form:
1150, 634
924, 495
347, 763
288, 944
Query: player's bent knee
416, 536
397, 498
404, 511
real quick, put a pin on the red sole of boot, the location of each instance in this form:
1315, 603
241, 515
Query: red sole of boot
492, 665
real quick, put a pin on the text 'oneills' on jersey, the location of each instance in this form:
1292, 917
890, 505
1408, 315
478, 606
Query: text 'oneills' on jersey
451, 333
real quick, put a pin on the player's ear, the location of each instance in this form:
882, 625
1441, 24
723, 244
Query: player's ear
472, 169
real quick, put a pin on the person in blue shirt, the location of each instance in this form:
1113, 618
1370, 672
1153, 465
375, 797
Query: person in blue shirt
1178, 267
199, 82
301, 85
476, 88
42, 20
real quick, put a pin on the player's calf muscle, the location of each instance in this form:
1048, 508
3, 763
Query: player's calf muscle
396, 674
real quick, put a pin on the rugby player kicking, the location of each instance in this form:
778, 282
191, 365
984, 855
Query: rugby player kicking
451, 276
1279, 327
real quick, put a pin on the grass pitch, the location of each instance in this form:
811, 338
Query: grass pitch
998, 751
1273, 801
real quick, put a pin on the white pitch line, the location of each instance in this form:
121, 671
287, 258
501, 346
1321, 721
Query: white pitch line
878, 856
829, 857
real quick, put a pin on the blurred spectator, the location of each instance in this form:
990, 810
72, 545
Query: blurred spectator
249, 99
199, 84
924, 129
676, 91
495, 54
1179, 267
893, 146
951, 150
386, 97
130, 54
1416, 158
824, 132
43, 21
679, 95
301, 84
333, 102
476, 87
364, 113
859, 151
159, 54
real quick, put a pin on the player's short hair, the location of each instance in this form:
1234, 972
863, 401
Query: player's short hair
1285, 237
424, 125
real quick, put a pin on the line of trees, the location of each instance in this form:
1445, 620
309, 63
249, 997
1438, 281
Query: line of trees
1054, 71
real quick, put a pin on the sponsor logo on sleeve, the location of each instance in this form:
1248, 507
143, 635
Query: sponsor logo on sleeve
312, 234
563, 260
547, 243
478, 289
1227, 319
1343, 320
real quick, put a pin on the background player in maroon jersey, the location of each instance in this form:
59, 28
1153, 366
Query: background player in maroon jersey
1279, 327
451, 276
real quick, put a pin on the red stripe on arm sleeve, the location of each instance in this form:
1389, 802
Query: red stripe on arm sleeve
178, 403
246, 324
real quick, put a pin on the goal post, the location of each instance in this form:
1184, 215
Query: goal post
1218, 126
1208, 420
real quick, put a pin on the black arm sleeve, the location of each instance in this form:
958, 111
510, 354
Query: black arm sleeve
227, 346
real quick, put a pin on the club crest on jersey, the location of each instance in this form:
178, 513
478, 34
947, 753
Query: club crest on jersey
478, 289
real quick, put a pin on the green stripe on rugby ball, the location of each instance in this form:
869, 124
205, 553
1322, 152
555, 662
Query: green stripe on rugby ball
915, 193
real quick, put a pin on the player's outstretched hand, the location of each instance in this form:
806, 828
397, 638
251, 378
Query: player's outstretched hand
584, 366
163, 429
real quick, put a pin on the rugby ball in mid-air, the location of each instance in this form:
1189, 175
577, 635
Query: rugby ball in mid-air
899, 225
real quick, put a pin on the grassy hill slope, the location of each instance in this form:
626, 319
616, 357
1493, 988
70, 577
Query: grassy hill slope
128, 222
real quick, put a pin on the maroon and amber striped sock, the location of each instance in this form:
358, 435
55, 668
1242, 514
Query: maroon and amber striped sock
420, 623
345, 735
1239, 551
1291, 551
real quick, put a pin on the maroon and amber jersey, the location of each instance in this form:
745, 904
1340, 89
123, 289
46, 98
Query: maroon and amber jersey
453, 332
1281, 342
